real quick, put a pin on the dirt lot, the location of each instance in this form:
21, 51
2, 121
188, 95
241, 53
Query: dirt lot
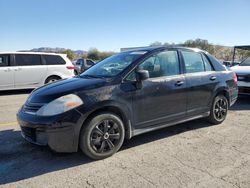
193, 154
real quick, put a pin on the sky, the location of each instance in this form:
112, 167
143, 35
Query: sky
109, 25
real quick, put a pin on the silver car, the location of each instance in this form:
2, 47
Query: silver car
82, 64
243, 74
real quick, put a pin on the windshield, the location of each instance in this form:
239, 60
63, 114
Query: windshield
245, 62
113, 65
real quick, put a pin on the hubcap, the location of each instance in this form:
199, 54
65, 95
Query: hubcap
105, 136
220, 109
52, 80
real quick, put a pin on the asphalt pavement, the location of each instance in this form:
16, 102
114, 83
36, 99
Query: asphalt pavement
193, 154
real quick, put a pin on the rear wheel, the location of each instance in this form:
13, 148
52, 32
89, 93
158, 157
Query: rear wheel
218, 110
102, 136
51, 79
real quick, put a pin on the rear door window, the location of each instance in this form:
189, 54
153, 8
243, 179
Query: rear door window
193, 62
4, 60
27, 59
54, 60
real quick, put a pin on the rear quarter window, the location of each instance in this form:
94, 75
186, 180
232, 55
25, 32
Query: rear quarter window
54, 60
27, 59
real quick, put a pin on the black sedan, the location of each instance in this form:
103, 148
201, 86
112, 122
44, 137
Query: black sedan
125, 95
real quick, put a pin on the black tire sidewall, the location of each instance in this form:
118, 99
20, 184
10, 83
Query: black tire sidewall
51, 78
87, 130
212, 118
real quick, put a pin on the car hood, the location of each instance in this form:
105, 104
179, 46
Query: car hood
241, 70
60, 88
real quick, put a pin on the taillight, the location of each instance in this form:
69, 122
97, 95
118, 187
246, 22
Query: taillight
235, 78
70, 67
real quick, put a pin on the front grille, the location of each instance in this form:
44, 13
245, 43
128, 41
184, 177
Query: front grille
29, 133
32, 108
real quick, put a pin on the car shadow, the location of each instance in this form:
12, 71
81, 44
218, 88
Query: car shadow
15, 92
21, 160
243, 103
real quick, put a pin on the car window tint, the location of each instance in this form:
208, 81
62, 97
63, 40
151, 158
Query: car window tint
207, 64
27, 59
79, 62
131, 76
4, 60
193, 62
90, 63
54, 60
162, 64
245, 62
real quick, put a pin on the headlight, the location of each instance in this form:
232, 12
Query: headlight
60, 105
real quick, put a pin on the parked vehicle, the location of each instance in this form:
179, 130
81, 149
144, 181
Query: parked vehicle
125, 95
230, 63
243, 73
83, 64
23, 70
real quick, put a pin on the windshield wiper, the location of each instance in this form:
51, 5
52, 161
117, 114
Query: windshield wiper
92, 76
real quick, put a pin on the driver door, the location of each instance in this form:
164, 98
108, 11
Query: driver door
163, 97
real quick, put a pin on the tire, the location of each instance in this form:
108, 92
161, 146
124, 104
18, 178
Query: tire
95, 138
75, 72
51, 79
218, 110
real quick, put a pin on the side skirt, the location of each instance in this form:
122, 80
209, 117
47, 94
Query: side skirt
156, 127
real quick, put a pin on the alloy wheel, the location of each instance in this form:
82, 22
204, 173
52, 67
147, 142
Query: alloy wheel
220, 109
105, 136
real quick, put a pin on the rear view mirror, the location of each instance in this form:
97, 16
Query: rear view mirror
142, 75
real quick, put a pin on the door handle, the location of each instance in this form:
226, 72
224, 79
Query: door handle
213, 78
7, 70
179, 83
17, 69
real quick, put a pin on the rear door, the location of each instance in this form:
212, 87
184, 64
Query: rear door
29, 70
201, 81
6, 72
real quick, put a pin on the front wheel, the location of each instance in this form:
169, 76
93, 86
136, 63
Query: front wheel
102, 136
218, 110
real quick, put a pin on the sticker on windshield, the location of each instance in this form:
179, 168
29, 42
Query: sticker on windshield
139, 52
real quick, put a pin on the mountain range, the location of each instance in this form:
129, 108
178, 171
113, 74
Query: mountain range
57, 50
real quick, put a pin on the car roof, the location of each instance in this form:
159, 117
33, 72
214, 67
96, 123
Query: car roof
243, 47
155, 48
38, 53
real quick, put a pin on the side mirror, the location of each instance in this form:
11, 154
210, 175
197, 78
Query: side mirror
142, 75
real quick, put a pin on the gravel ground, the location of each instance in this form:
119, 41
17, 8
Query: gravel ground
193, 154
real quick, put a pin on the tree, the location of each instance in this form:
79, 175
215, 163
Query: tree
96, 55
156, 43
70, 54
93, 54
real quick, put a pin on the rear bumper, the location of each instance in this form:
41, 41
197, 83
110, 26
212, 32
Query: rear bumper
233, 95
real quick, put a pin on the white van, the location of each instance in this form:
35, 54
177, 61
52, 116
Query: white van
23, 70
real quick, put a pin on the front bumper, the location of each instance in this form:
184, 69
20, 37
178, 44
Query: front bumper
60, 132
